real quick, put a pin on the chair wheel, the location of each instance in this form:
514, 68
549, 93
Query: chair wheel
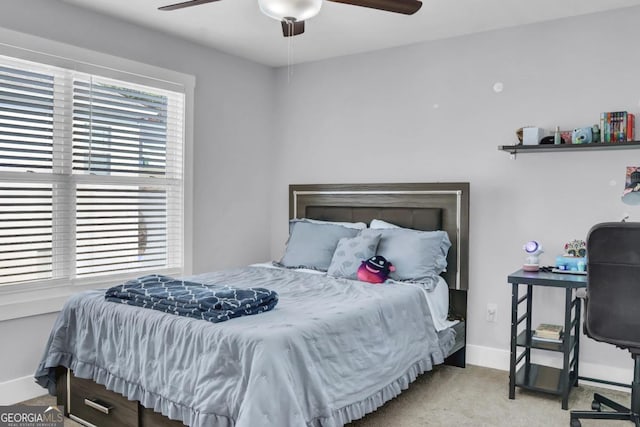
596, 406
576, 423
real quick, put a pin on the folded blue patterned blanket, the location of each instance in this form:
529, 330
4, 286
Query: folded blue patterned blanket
215, 303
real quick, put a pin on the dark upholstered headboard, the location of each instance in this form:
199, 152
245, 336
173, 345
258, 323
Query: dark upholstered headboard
428, 206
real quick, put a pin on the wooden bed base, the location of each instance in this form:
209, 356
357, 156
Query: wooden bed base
92, 404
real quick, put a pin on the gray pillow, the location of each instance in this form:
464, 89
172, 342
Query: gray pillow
419, 256
350, 253
312, 245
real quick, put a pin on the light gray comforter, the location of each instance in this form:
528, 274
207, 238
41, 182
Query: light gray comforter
331, 351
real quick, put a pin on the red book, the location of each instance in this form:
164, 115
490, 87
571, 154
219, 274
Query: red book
631, 127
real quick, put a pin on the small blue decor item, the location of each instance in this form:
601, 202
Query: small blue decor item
595, 131
571, 263
582, 136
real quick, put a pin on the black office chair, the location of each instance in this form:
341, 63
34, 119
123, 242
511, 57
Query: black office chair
612, 312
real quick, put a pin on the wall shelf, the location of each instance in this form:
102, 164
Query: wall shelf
514, 149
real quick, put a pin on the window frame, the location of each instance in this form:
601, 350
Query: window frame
34, 298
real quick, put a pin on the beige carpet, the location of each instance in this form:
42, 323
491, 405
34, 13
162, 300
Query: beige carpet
472, 396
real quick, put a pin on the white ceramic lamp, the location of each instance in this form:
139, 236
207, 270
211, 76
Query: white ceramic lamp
533, 249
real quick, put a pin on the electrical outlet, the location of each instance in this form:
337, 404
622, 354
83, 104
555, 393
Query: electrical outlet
492, 312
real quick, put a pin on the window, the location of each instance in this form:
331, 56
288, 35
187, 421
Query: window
91, 176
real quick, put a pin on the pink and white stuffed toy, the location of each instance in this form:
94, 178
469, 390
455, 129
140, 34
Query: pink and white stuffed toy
375, 269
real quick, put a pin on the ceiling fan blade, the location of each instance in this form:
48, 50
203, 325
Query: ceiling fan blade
292, 28
185, 4
407, 7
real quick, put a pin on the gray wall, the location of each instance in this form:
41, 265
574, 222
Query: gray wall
372, 118
232, 171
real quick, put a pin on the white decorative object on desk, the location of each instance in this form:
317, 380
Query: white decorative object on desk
533, 250
577, 248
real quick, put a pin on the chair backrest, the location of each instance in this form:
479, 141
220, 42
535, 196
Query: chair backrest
613, 290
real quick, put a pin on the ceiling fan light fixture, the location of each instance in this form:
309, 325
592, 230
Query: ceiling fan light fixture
296, 10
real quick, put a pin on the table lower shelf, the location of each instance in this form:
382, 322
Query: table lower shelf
542, 378
525, 339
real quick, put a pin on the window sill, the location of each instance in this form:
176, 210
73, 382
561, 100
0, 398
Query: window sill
35, 307
18, 301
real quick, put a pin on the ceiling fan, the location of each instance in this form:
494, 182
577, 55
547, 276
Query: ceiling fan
293, 13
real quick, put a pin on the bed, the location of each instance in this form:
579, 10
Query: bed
332, 351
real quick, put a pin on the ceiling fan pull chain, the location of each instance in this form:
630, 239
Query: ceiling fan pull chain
289, 52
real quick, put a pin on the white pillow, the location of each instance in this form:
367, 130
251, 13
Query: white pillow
379, 224
356, 225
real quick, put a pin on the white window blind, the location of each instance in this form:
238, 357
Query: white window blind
91, 179
26, 231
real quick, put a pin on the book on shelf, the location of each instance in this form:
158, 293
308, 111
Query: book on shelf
551, 340
617, 126
548, 331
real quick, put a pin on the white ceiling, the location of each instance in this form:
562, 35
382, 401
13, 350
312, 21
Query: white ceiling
239, 28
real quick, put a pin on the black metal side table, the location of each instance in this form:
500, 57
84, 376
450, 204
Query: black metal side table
532, 376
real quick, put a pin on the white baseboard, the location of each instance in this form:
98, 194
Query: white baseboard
488, 357
495, 358
19, 390
607, 373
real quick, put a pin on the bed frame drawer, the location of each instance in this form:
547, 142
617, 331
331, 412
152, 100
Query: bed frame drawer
93, 404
